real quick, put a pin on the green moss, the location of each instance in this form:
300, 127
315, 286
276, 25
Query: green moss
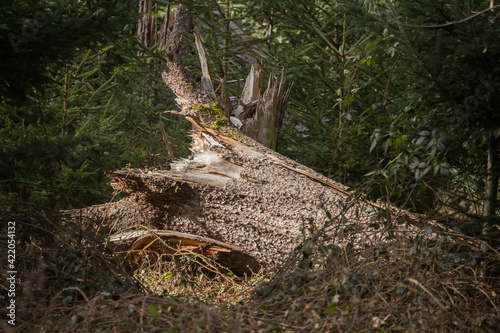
212, 114
239, 136
174, 187
188, 88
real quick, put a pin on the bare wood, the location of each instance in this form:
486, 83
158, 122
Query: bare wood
206, 81
253, 83
174, 113
265, 122
134, 243
139, 235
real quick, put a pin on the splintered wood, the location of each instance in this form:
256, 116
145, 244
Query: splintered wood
235, 193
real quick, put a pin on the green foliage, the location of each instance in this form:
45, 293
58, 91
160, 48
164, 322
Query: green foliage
377, 97
37, 37
339, 73
91, 110
382, 96
448, 107
369, 80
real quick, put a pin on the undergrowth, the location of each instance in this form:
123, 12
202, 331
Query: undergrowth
70, 281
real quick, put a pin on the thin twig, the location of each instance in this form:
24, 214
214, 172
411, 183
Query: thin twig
166, 141
491, 8
438, 303
46, 230
384, 101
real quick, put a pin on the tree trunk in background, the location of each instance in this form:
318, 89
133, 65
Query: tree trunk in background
490, 197
183, 24
147, 23
175, 23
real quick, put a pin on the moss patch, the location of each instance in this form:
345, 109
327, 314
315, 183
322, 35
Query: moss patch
212, 114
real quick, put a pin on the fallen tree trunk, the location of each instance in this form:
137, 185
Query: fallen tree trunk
237, 193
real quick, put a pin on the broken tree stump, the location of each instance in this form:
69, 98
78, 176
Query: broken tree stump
234, 192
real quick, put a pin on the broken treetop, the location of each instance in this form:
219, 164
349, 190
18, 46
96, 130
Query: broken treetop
236, 191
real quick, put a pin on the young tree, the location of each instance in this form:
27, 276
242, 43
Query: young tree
37, 37
70, 108
450, 60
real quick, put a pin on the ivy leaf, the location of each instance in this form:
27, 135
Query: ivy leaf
374, 143
433, 152
424, 133
445, 171
420, 140
152, 311
331, 308
433, 141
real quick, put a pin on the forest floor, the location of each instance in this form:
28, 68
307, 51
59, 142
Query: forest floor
71, 282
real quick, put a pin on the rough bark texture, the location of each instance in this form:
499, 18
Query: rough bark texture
182, 24
149, 31
169, 33
246, 196
490, 197
236, 191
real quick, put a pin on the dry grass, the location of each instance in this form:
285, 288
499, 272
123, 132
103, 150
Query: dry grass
71, 283
188, 276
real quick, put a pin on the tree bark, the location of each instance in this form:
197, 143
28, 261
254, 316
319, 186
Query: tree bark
490, 197
182, 24
169, 33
